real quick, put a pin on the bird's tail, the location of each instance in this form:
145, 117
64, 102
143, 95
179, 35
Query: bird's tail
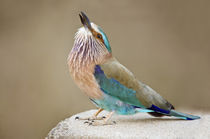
172, 112
183, 115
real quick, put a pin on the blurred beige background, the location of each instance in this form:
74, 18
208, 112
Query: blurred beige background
166, 44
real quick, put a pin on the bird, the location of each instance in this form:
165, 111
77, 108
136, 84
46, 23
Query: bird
109, 84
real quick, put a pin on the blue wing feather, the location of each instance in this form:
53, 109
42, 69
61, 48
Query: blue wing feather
114, 88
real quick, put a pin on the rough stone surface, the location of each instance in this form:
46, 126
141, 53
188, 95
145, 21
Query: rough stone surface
140, 125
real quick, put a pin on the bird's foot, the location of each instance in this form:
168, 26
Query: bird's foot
100, 123
105, 121
90, 118
94, 117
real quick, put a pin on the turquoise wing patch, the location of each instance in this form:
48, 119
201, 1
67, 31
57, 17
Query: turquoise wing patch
115, 89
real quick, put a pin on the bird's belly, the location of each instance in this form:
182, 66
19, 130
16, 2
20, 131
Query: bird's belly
110, 103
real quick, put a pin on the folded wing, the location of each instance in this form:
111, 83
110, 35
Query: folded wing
117, 81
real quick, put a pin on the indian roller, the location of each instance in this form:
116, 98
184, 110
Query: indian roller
109, 84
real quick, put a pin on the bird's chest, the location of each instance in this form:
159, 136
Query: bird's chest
85, 80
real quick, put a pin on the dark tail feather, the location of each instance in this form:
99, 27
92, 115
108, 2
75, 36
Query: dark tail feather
156, 114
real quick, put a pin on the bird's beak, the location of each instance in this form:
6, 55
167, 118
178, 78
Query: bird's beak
85, 21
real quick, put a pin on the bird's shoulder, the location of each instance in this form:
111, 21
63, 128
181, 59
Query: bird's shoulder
115, 70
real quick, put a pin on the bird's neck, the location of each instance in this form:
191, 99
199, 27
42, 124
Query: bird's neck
86, 57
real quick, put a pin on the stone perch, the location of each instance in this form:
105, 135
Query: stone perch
140, 125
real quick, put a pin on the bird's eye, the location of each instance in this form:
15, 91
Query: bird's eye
99, 36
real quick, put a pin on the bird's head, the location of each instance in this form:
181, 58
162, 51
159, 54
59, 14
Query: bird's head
91, 34
91, 45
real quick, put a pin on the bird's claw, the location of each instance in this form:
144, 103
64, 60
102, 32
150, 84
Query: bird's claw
94, 120
90, 118
99, 123
86, 122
